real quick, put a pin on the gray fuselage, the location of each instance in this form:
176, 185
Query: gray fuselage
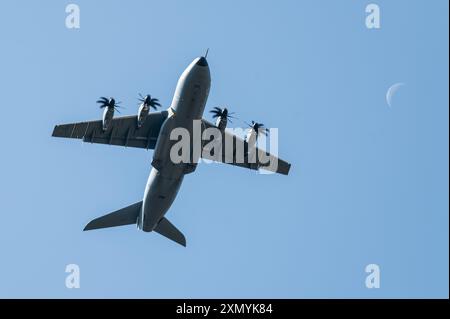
166, 176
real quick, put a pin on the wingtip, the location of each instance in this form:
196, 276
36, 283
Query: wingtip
284, 169
88, 227
288, 168
54, 130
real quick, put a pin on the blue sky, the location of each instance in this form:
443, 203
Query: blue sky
368, 184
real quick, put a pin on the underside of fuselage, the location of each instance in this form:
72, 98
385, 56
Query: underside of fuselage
166, 176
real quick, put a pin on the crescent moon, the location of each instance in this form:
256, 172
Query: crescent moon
391, 91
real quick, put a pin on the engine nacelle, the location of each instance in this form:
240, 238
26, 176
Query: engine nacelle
108, 115
222, 122
142, 114
251, 137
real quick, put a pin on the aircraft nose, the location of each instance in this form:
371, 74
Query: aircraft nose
202, 62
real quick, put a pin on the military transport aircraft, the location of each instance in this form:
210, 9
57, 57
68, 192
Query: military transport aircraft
152, 130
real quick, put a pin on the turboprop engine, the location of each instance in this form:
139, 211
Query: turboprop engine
222, 117
110, 105
147, 102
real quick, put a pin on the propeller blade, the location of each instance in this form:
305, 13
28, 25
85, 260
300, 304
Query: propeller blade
215, 113
216, 110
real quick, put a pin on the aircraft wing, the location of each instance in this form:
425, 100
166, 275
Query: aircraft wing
122, 131
241, 156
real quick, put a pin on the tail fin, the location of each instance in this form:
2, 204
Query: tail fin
168, 230
121, 217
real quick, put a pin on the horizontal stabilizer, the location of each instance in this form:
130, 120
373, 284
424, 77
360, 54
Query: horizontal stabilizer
168, 230
121, 217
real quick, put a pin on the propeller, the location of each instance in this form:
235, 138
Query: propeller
223, 113
149, 101
109, 103
258, 128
